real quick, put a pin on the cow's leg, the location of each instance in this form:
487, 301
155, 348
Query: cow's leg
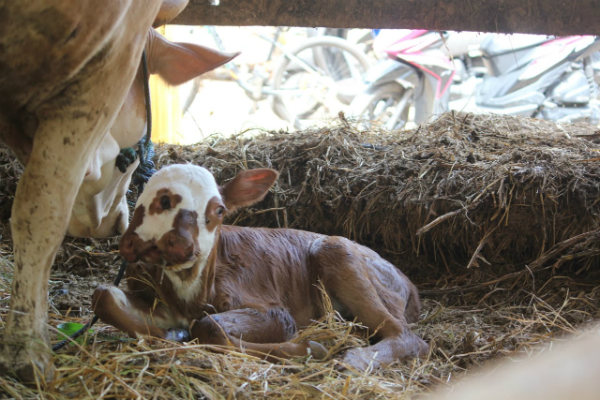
371, 289
40, 213
263, 334
70, 128
130, 313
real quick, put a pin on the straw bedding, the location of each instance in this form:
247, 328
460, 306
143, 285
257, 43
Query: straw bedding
494, 218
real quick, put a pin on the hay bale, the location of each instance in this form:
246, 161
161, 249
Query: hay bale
503, 194
463, 191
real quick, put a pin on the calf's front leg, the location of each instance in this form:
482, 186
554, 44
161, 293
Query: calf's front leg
133, 314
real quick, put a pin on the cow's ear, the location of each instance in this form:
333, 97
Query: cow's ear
248, 187
177, 63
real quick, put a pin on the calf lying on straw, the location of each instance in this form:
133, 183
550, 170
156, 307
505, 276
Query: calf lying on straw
249, 287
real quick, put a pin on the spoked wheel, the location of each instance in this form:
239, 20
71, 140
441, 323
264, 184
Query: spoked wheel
317, 80
386, 106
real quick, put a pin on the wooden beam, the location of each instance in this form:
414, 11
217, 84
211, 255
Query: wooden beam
558, 17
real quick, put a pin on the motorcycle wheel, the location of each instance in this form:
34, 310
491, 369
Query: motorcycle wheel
317, 80
387, 106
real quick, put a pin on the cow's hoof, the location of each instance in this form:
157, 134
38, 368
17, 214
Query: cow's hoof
35, 369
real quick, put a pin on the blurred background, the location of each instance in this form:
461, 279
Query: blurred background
294, 78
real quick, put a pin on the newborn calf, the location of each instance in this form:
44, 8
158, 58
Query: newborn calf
250, 287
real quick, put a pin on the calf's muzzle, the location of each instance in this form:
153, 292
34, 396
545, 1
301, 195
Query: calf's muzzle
172, 248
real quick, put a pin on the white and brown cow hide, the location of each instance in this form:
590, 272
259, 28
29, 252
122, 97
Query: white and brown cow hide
100, 208
67, 105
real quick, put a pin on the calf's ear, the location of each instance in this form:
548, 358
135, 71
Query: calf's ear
177, 63
248, 187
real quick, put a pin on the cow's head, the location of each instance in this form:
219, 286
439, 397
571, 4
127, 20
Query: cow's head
177, 218
100, 208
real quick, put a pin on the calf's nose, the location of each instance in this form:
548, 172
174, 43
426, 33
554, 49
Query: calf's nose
176, 248
172, 248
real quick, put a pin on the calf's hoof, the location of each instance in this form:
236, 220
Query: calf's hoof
99, 296
178, 335
385, 352
360, 359
317, 350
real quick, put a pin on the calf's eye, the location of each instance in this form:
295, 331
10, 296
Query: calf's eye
220, 211
165, 202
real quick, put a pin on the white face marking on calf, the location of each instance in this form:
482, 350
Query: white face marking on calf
186, 291
196, 186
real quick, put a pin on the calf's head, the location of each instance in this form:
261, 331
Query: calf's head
177, 219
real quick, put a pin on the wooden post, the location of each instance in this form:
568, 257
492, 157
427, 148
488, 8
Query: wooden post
556, 17
166, 109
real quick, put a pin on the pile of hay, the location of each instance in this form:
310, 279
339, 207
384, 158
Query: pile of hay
495, 218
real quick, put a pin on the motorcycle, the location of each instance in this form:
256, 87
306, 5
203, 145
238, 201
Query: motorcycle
553, 78
426, 73
412, 82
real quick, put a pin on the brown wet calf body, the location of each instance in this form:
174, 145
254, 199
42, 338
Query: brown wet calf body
250, 287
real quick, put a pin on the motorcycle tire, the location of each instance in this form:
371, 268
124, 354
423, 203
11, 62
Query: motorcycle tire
387, 106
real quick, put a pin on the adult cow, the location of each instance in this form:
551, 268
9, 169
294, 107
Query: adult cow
66, 77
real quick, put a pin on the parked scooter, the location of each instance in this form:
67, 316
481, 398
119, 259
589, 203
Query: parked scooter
529, 75
538, 76
412, 82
